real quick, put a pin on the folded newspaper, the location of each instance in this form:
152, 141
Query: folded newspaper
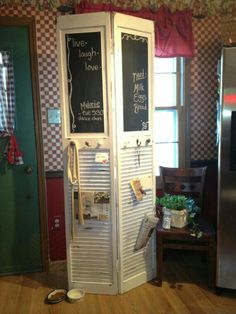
147, 227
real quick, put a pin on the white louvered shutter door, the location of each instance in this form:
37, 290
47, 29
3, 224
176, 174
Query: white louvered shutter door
136, 267
101, 253
91, 247
90, 250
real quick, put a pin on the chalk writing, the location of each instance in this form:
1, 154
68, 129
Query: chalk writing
139, 76
84, 69
139, 93
135, 82
76, 43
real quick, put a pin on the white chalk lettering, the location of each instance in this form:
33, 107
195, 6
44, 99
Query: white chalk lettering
94, 118
80, 118
89, 67
140, 98
97, 112
138, 87
138, 108
144, 125
87, 54
78, 43
137, 76
90, 105
86, 113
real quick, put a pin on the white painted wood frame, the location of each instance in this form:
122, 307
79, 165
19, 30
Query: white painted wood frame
100, 255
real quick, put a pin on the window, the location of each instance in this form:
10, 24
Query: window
170, 113
7, 93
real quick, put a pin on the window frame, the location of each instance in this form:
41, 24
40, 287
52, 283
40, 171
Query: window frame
183, 112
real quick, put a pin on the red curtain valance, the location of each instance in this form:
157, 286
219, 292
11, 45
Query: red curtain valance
173, 31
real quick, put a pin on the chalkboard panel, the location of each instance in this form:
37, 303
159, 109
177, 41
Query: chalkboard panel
84, 70
135, 82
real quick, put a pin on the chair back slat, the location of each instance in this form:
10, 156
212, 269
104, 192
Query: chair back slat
187, 181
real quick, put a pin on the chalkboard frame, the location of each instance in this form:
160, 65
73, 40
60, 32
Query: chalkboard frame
67, 120
147, 33
135, 78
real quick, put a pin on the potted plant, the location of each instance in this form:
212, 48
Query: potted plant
183, 211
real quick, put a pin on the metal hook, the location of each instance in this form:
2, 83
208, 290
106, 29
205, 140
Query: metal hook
138, 150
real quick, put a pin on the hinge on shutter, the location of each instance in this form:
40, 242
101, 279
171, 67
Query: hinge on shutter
117, 266
112, 47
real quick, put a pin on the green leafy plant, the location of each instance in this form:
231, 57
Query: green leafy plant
179, 202
176, 202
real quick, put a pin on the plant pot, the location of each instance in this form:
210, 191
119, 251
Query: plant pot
178, 218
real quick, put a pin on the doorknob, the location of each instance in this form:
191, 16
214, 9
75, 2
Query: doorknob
28, 169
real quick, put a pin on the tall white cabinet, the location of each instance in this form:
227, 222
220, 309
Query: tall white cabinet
106, 71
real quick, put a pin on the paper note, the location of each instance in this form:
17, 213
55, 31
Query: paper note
137, 189
101, 157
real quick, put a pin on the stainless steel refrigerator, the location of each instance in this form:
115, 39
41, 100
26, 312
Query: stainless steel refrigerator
226, 227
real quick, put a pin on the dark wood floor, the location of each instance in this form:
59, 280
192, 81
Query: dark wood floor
184, 290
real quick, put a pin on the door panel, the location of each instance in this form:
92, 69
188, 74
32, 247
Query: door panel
20, 244
133, 51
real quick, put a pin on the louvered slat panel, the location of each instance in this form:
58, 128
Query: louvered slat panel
134, 263
94, 176
91, 248
91, 258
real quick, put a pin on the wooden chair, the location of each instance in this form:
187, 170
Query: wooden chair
190, 182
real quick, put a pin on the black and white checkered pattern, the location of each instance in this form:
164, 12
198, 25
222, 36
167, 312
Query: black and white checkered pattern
203, 83
48, 77
49, 87
204, 88
7, 93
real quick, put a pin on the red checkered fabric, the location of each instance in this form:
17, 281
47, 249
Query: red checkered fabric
7, 108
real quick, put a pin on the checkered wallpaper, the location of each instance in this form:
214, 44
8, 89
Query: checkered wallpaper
49, 87
48, 78
203, 83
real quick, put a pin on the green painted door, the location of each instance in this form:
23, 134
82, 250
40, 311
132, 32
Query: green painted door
20, 247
